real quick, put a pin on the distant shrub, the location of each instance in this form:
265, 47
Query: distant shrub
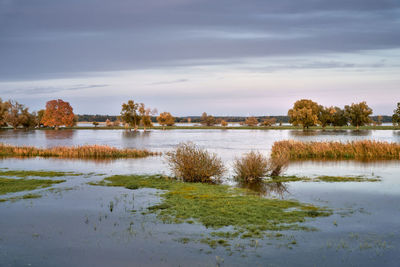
193, 164
252, 167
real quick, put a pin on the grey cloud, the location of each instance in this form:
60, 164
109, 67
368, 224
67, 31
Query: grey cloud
46, 38
49, 89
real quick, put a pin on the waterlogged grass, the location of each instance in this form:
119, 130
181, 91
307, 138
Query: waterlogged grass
29, 173
218, 206
331, 179
27, 196
9, 185
87, 151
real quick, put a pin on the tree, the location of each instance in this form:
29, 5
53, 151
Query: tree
39, 117
145, 115
268, 122
251, 121
339, 118
358, 114
304, 112
166, 119
379, 120
3, 112
130, 115
224, 123
58, 113
95, 123
207, 120
396, 115
17, 115
325, 115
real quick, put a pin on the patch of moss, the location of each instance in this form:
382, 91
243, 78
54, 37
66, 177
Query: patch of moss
25, 173
27, 196
8, 185
217, 206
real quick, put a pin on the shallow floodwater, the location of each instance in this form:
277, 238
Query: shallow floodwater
73, 223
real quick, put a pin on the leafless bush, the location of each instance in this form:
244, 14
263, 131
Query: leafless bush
252, 167
193, 164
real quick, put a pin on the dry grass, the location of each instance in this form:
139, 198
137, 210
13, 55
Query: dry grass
193, 164
359, 150
87, 151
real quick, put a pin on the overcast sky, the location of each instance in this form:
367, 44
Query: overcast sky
225, 57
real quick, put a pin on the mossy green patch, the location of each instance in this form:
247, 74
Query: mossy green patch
29, 173
27, 196
217, 206
8, 185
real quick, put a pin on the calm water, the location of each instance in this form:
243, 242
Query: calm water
74, 225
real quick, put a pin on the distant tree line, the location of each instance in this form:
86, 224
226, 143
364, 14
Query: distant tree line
305, 113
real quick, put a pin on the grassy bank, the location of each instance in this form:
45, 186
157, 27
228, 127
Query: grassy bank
359, 150
217, 206
9, 185
87, 151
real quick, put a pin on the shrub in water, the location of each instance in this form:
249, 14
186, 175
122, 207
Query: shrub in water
252, 167
193, 164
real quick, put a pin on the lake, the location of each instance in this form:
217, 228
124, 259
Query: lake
73, 225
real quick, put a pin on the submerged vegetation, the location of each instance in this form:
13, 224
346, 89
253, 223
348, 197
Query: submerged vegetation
9, 185
86, 151
29, 173
359, 150
218, 206
194, 164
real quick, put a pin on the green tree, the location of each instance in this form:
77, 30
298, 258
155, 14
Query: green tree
358, 114
130, 115
339, 118
396, 115
39, 117
145, 116
305, 113
268, 122
207, 120
251, 121
166, 119
325, 115
3, 112
17, 114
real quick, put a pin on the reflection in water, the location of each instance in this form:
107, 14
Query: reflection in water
339, 132
274, 189
59, 134
137, 134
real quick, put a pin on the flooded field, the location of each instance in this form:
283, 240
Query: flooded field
74, 223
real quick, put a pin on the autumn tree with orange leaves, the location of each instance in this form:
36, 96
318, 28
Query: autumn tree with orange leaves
58, 113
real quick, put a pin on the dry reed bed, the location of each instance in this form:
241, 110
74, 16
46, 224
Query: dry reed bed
359, 150
86, 151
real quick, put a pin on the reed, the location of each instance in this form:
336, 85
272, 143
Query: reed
359, 150
86, 151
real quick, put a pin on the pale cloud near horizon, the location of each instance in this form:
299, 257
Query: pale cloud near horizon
227, 57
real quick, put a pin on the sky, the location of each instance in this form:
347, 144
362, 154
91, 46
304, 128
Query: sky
224, 57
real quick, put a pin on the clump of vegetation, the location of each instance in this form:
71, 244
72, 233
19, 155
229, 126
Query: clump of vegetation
329, 179
193, 164
278, 164
87, 151
219, 206
360, 150
252, 167
8, 185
